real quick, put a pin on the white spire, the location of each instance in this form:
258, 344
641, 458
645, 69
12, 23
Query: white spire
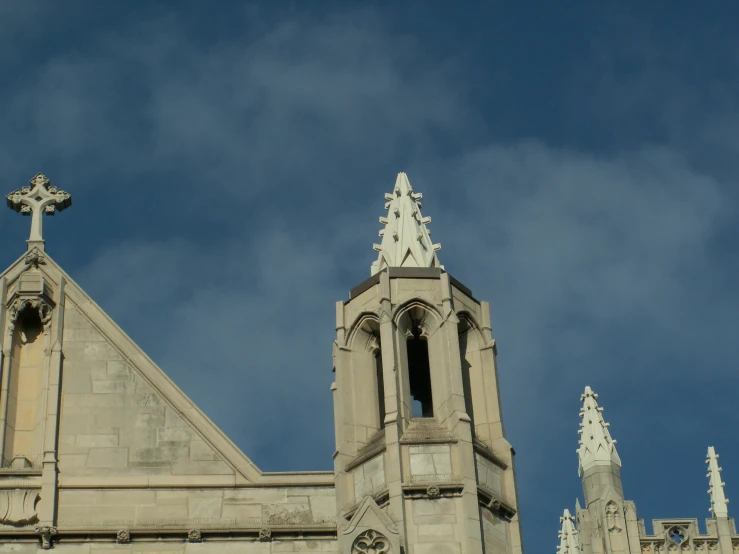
406, 242
596, 445
716, 487
568, 540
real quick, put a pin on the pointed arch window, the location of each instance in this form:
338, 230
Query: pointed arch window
380, 385
419, 374
23, 433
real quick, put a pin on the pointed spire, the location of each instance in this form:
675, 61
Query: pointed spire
568, 539
406, 242
716, 486
596, 445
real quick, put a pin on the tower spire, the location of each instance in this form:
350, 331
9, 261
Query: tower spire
406, 241
568, 539
596, 445
716, 486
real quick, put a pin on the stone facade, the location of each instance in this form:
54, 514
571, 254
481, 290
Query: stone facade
101, 452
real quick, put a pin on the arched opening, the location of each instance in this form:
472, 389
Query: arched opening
419, 375
22, 445
364, 378
380, 385
463, 329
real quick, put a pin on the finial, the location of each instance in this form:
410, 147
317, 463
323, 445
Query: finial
596, 445
716, 486
568, 539
34, 200
406, 241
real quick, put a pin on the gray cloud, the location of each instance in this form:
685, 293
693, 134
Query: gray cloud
265, 157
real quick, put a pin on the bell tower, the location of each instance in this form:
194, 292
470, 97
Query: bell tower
422, 464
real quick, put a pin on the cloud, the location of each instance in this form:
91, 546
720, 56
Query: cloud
246, 172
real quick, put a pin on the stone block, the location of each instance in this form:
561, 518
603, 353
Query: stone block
101, 441
173, 419
430, 460
64, 548
96, 515
83, 423
76, 497
120, 368
202, 452
138, 437
76, 381
99, 351
245, 547
162, 511
107, 458
70, 462
241, 510
441, 510
113, 417
88, 334
190, 467
257, 496
93, 400
150, 417
437, 548
369, 477
174, 436
439, 532
205, 508
144, 456
323, 507
112, 387
125, 497
157, 548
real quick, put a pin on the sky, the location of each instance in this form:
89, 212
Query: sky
227, 163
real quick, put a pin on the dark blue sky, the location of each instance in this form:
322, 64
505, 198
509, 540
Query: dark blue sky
228, 167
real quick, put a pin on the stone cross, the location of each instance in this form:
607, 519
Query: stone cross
38, 198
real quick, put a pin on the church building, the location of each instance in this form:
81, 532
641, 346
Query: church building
102, 452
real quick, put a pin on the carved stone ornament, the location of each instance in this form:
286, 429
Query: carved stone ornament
433, 491
39, 304
646, 547
194, 535
45, 534
265, 534
35, 258
713, 545
18, 506
613, 518
123, 536
371, 542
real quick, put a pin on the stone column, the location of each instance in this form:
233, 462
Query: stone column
48, 504
393, 404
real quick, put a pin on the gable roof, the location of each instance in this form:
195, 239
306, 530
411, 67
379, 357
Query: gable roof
245, 470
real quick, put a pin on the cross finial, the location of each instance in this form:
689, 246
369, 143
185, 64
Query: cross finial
34, 200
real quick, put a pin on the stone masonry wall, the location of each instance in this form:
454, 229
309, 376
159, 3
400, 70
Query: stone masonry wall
159, 547
113, 422
234, 507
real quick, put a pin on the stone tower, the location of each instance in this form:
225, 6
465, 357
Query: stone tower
607, 524
422, 464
